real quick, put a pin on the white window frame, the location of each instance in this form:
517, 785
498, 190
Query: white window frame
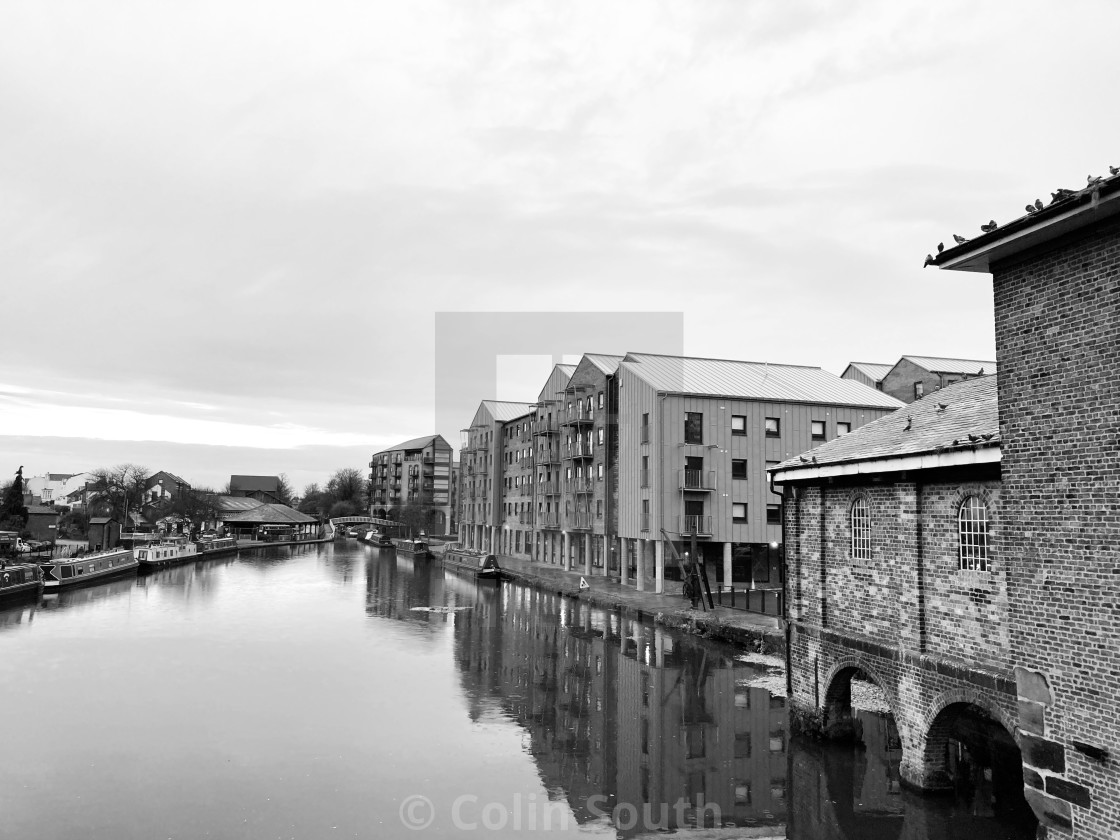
973, 538
859, 518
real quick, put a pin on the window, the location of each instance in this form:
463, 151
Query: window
739, 468
817, 429
600, 399
973, 524
600, 472
739, 512
861, 529
919, 390
773, 427
602, 435
774, 514
599, 509
645, 428
645, 471
693, 427
738, 424
843, 429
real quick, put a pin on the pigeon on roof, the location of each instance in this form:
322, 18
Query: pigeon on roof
960, 240
940, 247
1031, 208
1061, 194
989, 227
929, 260
1093, 180
942, 406
1115, 170
1038, 205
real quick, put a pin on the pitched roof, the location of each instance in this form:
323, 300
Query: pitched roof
172, 476
503, 412
939, 364
101, 520
607, 364
42, 509
414, 443
568, 369
923, 426
271, 514
872, 369
235, 503
251, 483
1067, 211
753, 380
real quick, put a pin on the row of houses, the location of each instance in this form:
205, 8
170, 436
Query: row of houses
623, 464
912, 377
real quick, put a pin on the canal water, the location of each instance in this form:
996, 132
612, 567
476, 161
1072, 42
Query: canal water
337, 691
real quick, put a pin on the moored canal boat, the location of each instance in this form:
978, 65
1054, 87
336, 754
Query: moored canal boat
411, 546
378, 539
217, 544
74, 571
20, 580
165, 553
468, 562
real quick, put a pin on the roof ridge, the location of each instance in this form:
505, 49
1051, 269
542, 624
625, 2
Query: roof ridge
946, 358
732, 361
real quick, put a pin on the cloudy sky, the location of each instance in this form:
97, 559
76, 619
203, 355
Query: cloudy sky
227, 227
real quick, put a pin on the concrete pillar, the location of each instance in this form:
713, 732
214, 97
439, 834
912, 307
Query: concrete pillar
640, 571
606, 555
623, 565
588, 553
727, 564
566, 550
659, 643
659, 566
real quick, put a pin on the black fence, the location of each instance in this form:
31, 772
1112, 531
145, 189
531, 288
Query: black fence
762, 601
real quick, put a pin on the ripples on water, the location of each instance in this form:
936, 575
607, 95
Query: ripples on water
298, 693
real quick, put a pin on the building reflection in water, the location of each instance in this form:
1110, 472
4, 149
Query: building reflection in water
624, 718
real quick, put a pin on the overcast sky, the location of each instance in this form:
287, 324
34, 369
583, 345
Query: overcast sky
227, 226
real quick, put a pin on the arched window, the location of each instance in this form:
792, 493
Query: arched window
861, 529
973, 527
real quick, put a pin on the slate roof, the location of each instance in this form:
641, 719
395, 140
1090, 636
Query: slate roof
271, 514
252, 483
970, 409
753, 380
42, 509
1063, 214
872, 369
938, 364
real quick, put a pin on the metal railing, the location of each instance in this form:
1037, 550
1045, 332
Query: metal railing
704, 480
547, 426
580, 520
525, 518
579, 450
579, 414
579, 485
549, 488
645, 522
695, 524
762, 601
548, 520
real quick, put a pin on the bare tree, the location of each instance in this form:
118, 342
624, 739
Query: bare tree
118, 490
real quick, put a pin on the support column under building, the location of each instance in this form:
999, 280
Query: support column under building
588, 554
623, 560
659, 566
566, 550
727, 568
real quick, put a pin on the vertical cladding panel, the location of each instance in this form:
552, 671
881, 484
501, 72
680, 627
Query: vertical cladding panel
634, 398
1057, 343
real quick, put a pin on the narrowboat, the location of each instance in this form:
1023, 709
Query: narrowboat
479, 565
20, 579
414, 547
73, 571
379, 539
217, 544
165, 553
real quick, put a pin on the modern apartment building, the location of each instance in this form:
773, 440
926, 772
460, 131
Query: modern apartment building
481, 470
548, 489
417, 471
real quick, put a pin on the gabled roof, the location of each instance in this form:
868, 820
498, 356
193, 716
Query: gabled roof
414, 443
874, 370
753, 381
607, 364
557, 380
271, 514
960, 417
938, 364
251, 483
1068, 211
172, 476
42, 509
234, 503
101, 520
503, 412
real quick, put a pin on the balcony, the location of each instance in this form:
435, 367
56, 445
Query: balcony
702, 481
547, 426
549, 488
525, 518
580, 521
579, 485
525, 490
579, 415
579, 451
548, 456
689, 524
548, 520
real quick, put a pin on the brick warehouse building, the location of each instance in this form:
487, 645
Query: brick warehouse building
1056, 277
891, 576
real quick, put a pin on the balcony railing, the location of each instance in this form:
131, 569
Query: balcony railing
578, 415
580, 521
703, 480
548, 456
549, 488
764, 601
580, 449
548, 520
579, 485
525, 518
547, 426
645, 522
695, 524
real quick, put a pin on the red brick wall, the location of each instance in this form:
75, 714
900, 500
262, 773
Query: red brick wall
1058, 347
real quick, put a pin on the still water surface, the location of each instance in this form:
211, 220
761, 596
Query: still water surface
311, 693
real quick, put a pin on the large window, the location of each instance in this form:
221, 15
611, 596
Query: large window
773, 427
861, 529
738, 424
973, 526
693, 427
